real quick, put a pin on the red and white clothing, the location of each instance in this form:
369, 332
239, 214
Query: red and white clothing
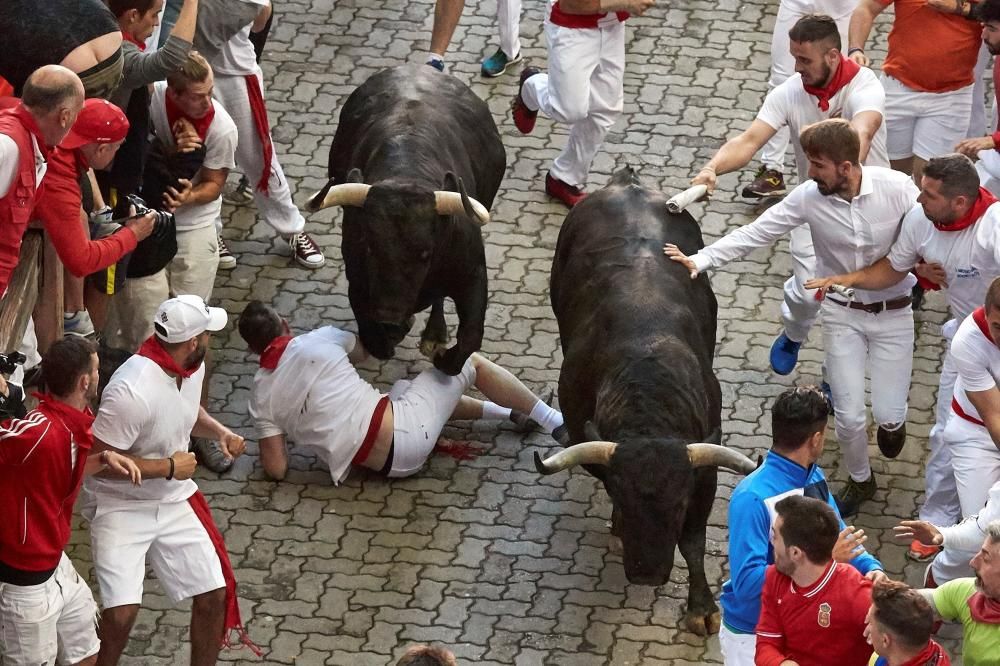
819, 625
847, 236
974, 457
308, 389
790, 106
46, 610
783, 64
239, 86
925, 92
509, 26
583, 87
145, 414
962, 541
971, 259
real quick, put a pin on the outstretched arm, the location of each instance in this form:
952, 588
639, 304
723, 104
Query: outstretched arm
735, 153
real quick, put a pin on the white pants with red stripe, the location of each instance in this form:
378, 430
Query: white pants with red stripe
975, 460
509, 26
783, 64
941, 505
276, 207
583, 88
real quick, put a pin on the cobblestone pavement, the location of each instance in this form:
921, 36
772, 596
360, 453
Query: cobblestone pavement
485, 556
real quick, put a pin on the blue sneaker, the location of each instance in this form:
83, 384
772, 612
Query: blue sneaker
436, 63
498, 63
784, 354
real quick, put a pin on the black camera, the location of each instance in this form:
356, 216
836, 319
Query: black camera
164, 221
9, 362
12, 404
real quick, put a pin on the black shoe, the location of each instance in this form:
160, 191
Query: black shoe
890, 442
561, 435
210, 455
854, 494
766, 183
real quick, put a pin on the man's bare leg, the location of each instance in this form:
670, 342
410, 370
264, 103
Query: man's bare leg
208, 619
467, 409
116, 625
447, 14
905, 165
919, 164
89, 661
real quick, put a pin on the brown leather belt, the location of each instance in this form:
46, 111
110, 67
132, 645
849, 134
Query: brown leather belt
875, 308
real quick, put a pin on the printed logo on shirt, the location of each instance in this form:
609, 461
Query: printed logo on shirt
971, 272
823, 618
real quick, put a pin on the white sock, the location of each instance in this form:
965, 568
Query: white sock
494, 412
546, 417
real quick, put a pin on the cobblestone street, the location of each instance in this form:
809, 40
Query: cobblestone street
485, 556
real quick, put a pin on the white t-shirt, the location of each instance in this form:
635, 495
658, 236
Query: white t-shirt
789, 104
237, 57
142, 412
971, 257
977, 360
9, 160
317, 398
220, 153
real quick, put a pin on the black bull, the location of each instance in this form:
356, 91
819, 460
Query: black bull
416, 162
637, 390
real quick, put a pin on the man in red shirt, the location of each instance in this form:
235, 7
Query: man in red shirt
46, 610
813, 608
900, 624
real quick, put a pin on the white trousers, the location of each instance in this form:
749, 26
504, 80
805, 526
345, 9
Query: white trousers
975, 460
924, 124
783, 65
800, 307
941, 505
881, 343
276, 207
583, 88
509, 26
977, 118
737, 649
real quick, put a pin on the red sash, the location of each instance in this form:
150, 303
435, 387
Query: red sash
272, 353
129, 38
846, 71
259, 112
984, 609
372, 434
154, 351
174, 114
983, 201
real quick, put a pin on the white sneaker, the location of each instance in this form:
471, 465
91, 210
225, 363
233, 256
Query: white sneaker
227, 261
306, 252
78, 323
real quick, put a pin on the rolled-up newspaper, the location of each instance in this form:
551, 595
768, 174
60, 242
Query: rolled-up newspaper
679, 202
841, 290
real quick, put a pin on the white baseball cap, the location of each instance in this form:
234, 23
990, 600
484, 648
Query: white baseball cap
182, 318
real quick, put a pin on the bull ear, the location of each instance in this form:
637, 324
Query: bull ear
354, 176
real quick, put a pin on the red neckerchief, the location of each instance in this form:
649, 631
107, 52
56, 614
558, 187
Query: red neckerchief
272, 353
846, 71
154, 351
259, 112
233, 620
979, 316
984, 609
983, 201
28, 121
932, 655
129, 38
78, 422
174, 114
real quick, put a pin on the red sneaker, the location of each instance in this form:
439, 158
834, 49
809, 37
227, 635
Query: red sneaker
524, 118
568, 194
918, 552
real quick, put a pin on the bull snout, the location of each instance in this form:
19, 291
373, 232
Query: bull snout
640, 575
646, 565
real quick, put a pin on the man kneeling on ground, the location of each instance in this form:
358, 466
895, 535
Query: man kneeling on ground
308, 389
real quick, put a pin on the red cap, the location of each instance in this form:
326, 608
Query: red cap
99, 121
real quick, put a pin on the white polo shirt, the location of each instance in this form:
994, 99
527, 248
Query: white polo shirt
789, 104
220, 153
317, 398
977, 360
144, 414
237, 57
970, 257
847, 235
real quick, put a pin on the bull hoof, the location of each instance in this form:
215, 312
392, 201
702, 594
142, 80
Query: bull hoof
615, 546
431, 348
702, 625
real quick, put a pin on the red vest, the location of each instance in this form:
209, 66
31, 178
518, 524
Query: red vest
17, 205
38, 486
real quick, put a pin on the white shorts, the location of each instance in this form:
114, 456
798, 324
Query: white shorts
179, 549
737, 649
420, 408
55, 622
924, 124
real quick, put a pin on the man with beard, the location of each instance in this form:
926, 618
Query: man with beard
975, 602
43, 459
813, 608
956, 231
825, 85
149, 411
987, 11
899, 626
854, 216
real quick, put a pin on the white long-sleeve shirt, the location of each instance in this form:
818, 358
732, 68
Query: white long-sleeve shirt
968, 535
847, 235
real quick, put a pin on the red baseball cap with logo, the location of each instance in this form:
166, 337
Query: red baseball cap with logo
99, 121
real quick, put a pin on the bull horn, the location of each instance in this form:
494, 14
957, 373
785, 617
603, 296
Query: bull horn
450, 203
345, 194
584, 453
714, 455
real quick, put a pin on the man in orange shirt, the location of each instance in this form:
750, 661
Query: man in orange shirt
927, 75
